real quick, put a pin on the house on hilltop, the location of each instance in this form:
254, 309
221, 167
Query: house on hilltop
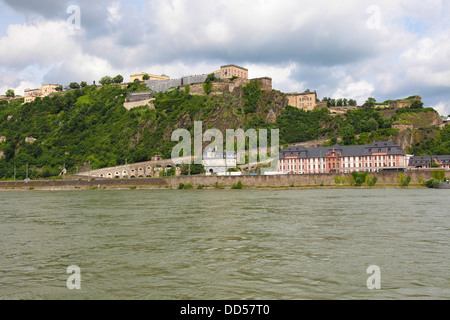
31, 94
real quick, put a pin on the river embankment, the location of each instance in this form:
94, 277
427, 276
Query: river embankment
323, 181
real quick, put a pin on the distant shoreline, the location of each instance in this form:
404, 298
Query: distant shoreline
293, 182
386, 180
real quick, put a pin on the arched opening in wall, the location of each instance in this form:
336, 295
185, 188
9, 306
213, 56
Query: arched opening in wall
125, 174
109, 175
141, 173
136, 80
211, 171
133, 174
117, 175
101, 175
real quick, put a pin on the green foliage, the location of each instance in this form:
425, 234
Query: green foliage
106, 80
360, 178
237, 185
438, 175
210, 78
207, 87
372, 182
370, 103
117, 79
181, 186
193, 169
337, 179
431, 183
417, 105
10, 93
74, 85
146, 77
252, 96
404, 182
83, 84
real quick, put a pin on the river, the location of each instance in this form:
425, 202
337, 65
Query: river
225, 244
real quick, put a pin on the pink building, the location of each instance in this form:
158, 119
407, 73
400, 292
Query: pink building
378, 156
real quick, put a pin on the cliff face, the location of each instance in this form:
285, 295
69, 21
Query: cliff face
405, 139
226, 111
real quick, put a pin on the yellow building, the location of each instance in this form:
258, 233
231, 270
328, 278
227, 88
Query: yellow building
232, 70
31, 94
305, 101
48, 89
140, 77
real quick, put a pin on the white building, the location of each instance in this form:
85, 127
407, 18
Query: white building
218, 162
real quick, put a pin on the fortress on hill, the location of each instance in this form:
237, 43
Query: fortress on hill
231, 76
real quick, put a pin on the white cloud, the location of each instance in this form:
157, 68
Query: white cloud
358, 90
114, 12
317, 45
443, 108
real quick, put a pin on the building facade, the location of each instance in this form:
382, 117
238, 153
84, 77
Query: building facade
404, 103
376, 157
218, 161
31, 94
232, 70
304, 101
426, 162
140, 77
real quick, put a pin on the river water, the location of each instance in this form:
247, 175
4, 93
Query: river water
225, 244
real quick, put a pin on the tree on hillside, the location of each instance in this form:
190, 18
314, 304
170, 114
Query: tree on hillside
345, 102
331, 102
417, 105
106, 80
352, 103
59, 88
370, 103
83, 84
10, 93
74, 85
210, 78
146, 77
117, 79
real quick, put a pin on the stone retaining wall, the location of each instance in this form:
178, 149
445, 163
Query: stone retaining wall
387, 178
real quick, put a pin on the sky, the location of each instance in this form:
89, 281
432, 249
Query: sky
355, 49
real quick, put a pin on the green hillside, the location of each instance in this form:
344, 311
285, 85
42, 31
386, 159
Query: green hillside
90, 126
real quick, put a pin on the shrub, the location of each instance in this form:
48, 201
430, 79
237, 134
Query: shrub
237, 186
373, 182
404, 182
438, 175
188, 186
432, 183
181, 186
359, 178
337, 179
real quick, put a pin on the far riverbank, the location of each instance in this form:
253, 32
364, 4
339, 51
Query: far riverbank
323, 181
